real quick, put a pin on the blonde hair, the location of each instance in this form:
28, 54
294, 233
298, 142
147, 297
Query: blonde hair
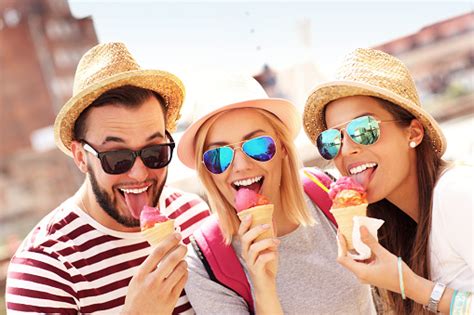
291, 189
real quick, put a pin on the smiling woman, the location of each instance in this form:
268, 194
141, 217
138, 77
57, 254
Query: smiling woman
243, 146
275, 175
426, 203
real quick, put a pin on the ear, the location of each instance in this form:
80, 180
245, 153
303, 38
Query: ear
416, 131
79, 156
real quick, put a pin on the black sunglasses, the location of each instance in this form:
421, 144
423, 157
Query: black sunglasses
121, 161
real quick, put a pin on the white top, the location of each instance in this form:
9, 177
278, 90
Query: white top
452, 229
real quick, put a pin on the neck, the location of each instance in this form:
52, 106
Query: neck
85, 199
282, 223
406, 196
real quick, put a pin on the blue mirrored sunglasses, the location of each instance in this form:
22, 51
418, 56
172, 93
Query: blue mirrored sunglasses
218, 160
363, 130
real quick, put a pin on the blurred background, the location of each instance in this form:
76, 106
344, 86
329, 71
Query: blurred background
289, 47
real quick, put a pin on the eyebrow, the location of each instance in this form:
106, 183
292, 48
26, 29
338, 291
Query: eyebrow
120, 140
246, 137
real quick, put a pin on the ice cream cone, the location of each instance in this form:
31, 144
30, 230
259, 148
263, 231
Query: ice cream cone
158, 232
260, 215
344, 217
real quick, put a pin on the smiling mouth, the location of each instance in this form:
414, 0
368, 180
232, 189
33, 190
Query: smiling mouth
361, 168
253, 183
133, 190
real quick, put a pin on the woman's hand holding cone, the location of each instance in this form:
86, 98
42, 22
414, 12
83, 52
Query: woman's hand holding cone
380, 270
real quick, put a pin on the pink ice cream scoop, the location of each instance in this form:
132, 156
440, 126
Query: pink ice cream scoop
346, 192
247, 198
151, 215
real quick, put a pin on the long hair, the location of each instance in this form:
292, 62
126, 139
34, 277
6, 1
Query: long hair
400, 234
291, 190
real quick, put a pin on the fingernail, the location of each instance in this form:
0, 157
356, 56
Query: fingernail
248, 217
276, 241
266, 226
177, 235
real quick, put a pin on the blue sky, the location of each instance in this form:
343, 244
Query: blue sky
184, 37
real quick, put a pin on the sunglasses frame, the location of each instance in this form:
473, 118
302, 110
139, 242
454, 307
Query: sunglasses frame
231, 146
341, 135
137, 153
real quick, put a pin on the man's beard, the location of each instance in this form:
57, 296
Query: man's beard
105, 201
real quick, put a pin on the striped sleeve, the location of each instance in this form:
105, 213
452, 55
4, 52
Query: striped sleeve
66, 265
187, 209
39, 283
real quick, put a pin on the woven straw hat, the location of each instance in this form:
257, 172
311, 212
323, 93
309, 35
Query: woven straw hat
105, 67
232, 92
372, 73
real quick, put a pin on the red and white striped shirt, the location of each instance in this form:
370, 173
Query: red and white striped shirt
69, 263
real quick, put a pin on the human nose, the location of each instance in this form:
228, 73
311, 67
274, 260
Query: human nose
139, 171
241, 160
348, 147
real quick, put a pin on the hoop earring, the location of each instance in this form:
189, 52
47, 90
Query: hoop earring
412, 144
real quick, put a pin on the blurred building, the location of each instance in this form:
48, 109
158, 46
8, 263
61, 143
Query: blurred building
40, 46
268, 79
441, 58
293, 83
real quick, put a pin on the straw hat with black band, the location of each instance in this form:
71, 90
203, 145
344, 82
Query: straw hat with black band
370, 72
105, 67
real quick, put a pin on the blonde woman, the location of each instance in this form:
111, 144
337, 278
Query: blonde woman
246, 140
370, 123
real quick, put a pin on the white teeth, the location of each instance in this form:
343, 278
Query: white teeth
247, 182
361, 168
134, 190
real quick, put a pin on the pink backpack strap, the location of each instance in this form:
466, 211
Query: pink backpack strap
316, 185
220, 260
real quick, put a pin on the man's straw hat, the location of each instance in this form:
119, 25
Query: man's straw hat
233, 92
372, 73
105, 67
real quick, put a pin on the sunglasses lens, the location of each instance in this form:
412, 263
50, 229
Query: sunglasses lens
117, 162
329, 143
157, 156
261, 149
218, 160
364, 130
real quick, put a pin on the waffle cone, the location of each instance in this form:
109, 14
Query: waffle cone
158, 232
344, 220
260, 215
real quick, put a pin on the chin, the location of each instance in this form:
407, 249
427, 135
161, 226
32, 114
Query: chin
374, 196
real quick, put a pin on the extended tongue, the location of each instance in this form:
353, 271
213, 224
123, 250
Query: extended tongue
363, 178
136, 202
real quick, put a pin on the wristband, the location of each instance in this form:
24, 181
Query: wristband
400, 278
461, 303
451, 305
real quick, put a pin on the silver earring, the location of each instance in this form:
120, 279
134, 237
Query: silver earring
412, 144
